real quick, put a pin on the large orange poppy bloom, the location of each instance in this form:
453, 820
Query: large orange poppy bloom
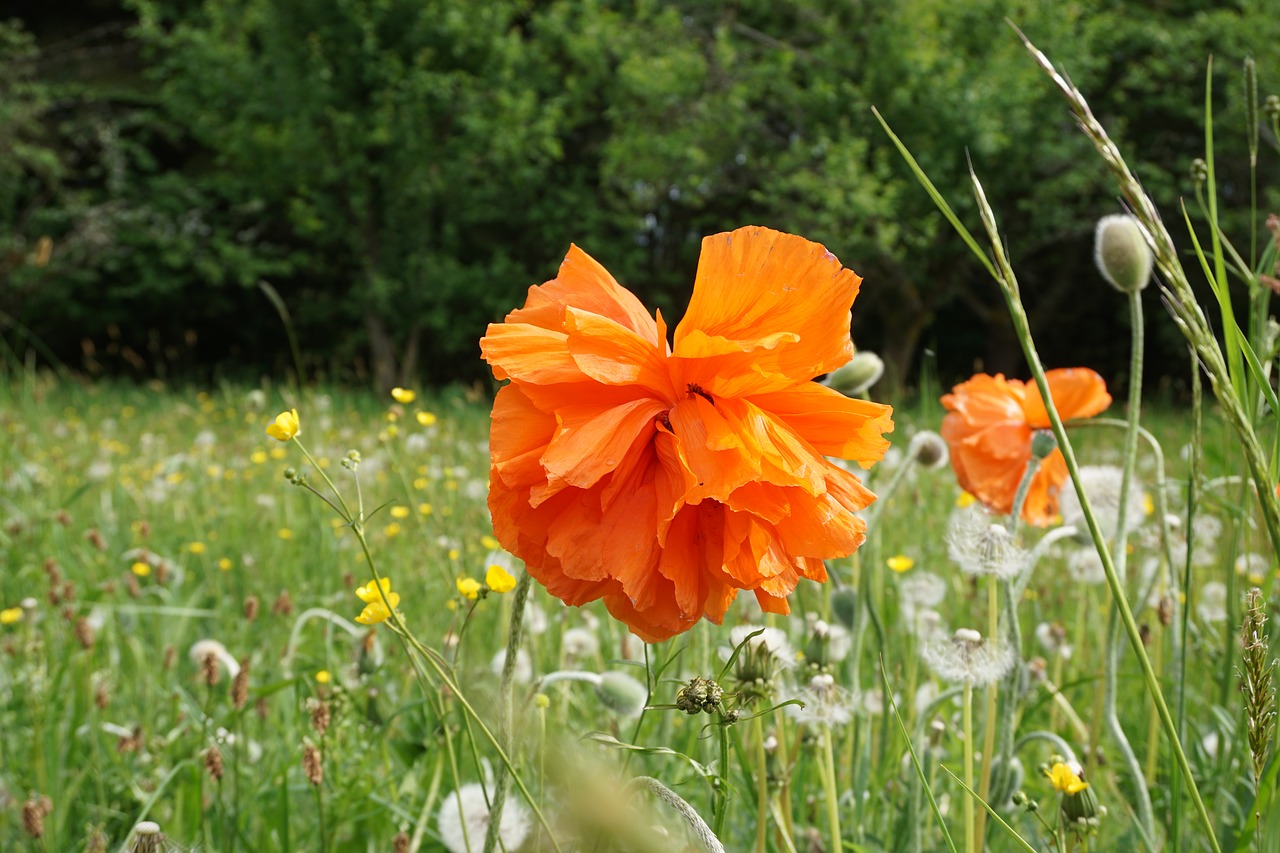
989, 424
662, 477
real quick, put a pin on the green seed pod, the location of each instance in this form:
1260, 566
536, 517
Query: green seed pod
622, 694
862, 371
1122, 253
1042, 443
844, 606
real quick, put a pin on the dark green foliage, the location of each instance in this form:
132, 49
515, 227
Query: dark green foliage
401, 171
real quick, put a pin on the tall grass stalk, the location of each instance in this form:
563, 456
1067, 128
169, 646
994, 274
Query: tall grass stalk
1003, 274
1224, 370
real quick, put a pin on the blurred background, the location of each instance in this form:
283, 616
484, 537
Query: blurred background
396, 173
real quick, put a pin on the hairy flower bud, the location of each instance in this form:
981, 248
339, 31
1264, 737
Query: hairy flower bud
862, 371
1122, 254
622, 693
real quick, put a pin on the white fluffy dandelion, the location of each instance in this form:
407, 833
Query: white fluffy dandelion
967, 658
1212, 605
980, 545
825, 703
1102, 485
463, 821
1085, 566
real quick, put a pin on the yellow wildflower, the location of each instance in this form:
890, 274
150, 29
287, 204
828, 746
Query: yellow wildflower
403, 395
196, 547
392, 529
323, 676
499, 579
258, 457
900, 563
399, 512
376, 609
225, 564
426, 419
286, 426
424, 509
469, 587
10, 615
490, 543
1064, 778
1148, 504
965, 499
285, 533
141, 569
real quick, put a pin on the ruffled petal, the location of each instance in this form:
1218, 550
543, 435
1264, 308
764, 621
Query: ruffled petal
584, 284
1078, 392
1041, 507
769, 310
835, 425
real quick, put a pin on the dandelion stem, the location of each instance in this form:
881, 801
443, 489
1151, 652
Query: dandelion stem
993, 698
1023, 330
831, 792
969, 827
762, 786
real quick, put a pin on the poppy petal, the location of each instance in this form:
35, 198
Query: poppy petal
782, 300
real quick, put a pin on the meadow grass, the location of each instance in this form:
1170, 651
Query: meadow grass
137, 521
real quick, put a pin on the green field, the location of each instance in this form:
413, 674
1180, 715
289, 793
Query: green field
137, 521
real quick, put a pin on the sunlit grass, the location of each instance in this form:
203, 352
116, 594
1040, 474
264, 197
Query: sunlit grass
165, 518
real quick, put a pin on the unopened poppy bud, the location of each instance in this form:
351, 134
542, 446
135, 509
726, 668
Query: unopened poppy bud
862, 371
928, 449
622, 693
1122, 254
844, 605
1042, 444
1199, 170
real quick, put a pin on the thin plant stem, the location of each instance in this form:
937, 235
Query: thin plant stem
506, 703
969, 827
989, 719
762, 786
1022, 329
830, 790
1120, 550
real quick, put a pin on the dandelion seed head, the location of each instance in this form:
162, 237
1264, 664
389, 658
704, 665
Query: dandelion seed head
966, 658
1085, 566
825, 703
919, 592
1102, 483
1212, 603
980, 545
578, 643
463, 820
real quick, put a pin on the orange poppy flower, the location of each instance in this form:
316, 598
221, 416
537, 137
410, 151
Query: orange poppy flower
989, 424
663, 477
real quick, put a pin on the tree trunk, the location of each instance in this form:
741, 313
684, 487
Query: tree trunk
382, 350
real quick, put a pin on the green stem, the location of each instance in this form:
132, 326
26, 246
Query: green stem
830, 790
1023, 330
969, 826
762, 786
989, 720
506, 708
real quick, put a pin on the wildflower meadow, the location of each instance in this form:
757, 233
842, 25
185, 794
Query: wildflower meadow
697, 583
